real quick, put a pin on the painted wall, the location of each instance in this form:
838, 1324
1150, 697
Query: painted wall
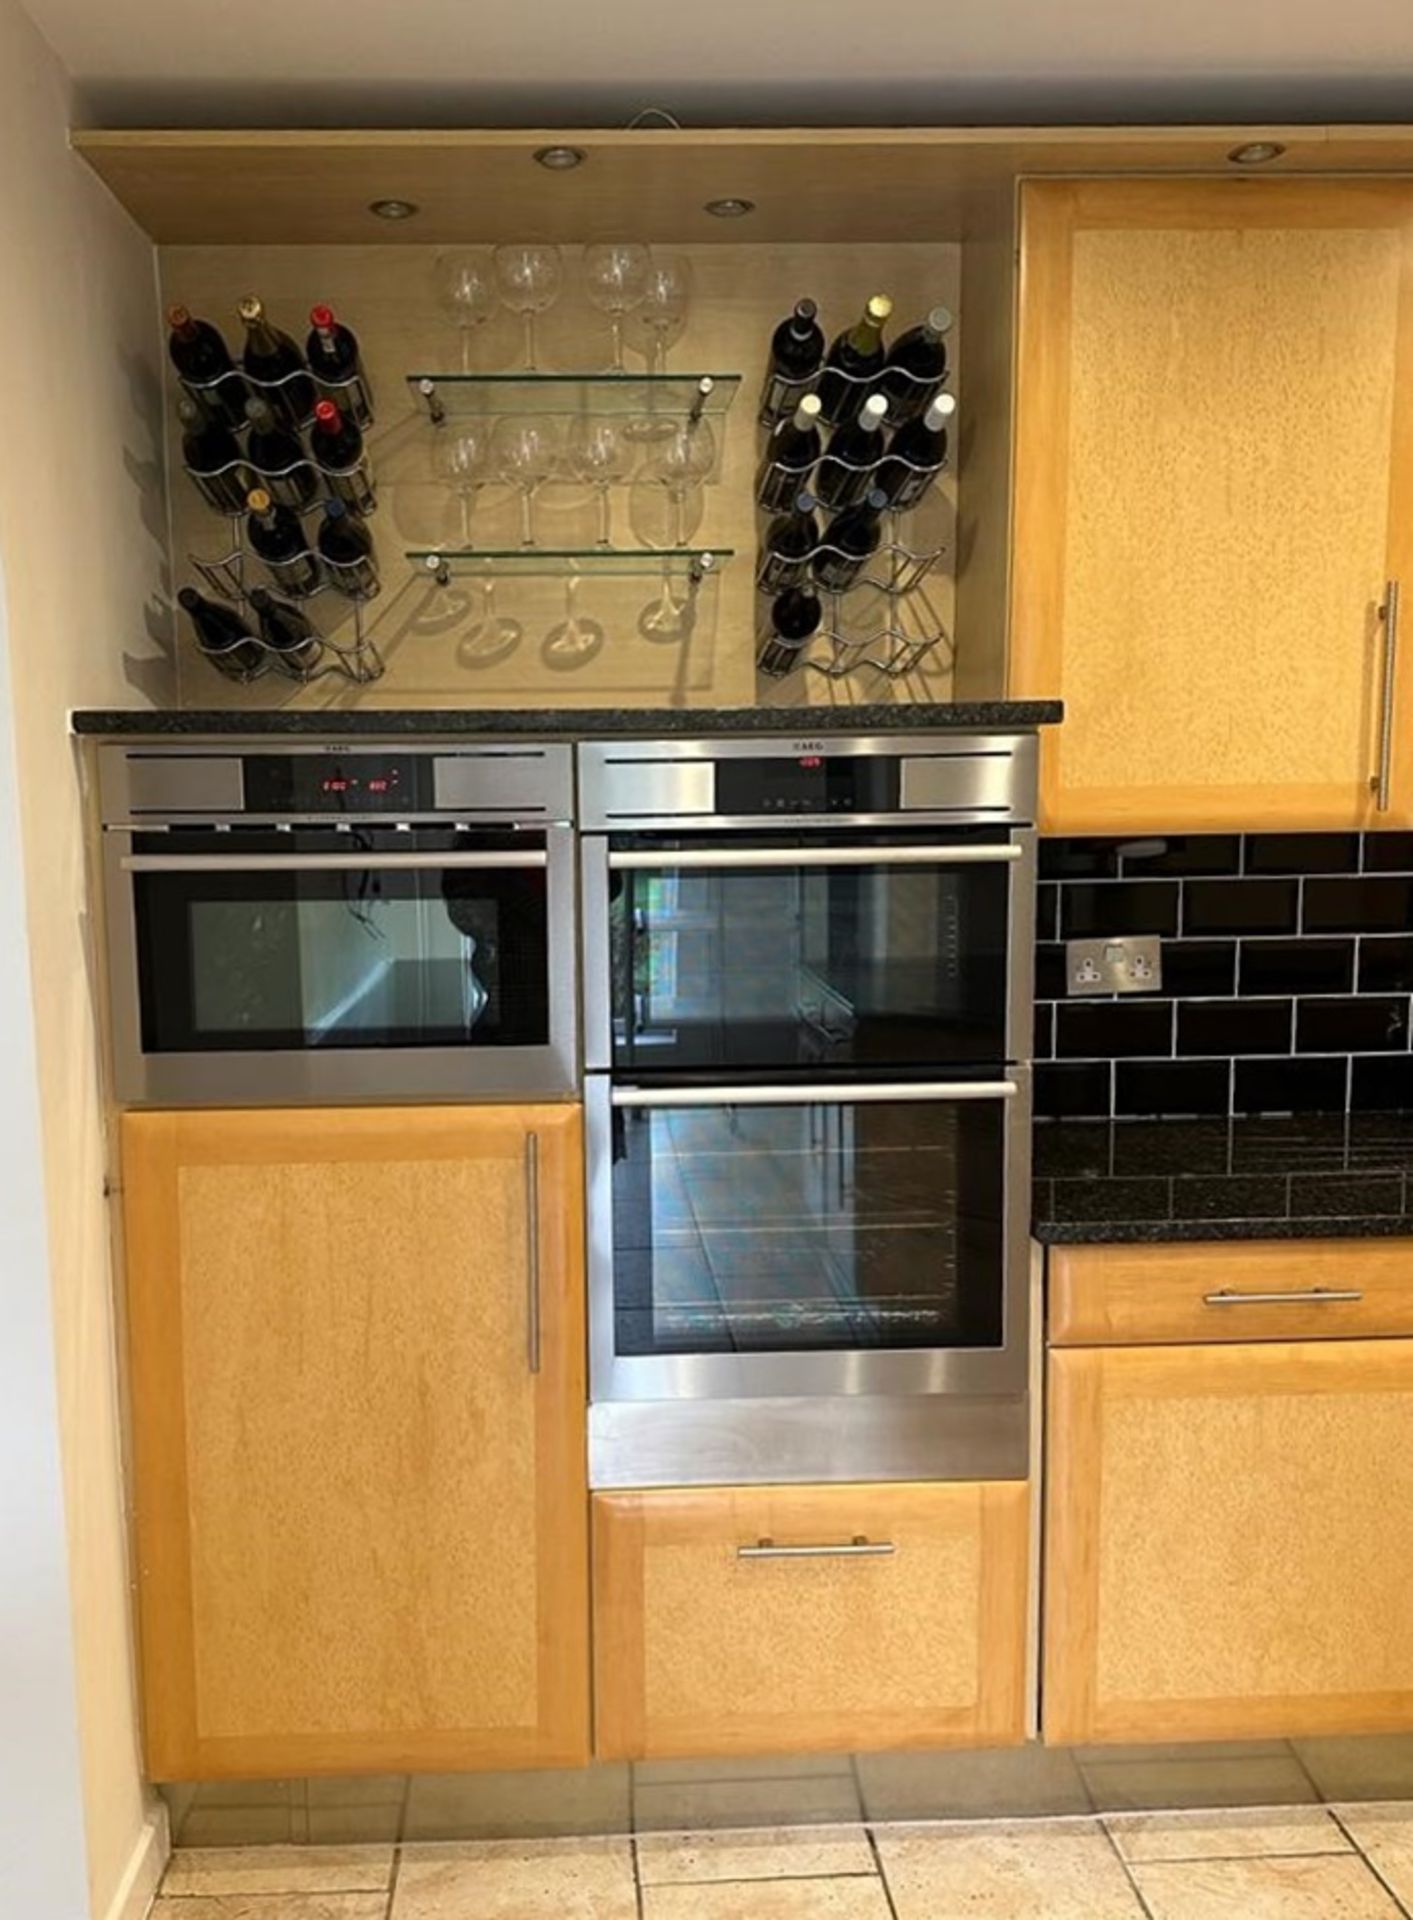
81, 526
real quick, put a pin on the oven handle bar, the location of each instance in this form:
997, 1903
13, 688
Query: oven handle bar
825, 1093
327, 862
910, 856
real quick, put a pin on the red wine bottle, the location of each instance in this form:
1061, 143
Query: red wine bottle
274, 363
277, 455
784, 559
337, 367
337, 448
202, 358
277, 536
789, 457
794, 618
853, 541
212, 457
796, 350
287, 631
222, 635
917, 455
346, 546
915, 368
854, 358
846, 471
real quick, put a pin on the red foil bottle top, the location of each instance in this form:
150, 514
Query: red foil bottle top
322, 318
326, 413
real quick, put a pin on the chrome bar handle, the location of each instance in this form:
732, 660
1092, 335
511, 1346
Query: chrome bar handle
1307, 1297
860, 1547
816, 1093
999, 851
532, 1245
1383, 780
329, 862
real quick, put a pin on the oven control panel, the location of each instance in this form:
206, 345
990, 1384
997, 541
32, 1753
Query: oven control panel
342, 783
811, 783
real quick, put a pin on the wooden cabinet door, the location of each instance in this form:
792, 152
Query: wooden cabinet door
361, 1511
1229, 1539
1213, 482
748, 1620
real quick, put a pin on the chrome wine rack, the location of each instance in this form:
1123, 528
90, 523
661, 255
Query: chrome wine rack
360, 662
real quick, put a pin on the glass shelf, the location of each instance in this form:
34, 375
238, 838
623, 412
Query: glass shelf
668, 394
684, 563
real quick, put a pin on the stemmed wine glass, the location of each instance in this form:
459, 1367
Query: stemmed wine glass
575, 638
661, 315
527, 452
530, 277
616, 279
680, 463
462, 459
466, 289
597, 450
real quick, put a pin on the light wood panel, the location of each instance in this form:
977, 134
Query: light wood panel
1104, 1296
361, 1518
1214, 476
698, 1651
809, 184
389, 296
1229, 1533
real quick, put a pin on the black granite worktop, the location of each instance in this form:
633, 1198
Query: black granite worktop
576, 723
1305, 1177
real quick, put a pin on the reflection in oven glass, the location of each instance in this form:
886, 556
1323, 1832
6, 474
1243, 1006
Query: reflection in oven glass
796, 1228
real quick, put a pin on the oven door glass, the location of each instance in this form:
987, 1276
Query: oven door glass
772, 953
266, 942
806, 1227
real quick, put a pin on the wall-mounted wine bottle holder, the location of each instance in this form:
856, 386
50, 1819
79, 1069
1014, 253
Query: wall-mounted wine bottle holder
792, 392
353, 393
358, 660
895, 571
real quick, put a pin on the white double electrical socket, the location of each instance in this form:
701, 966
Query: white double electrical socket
1132, 964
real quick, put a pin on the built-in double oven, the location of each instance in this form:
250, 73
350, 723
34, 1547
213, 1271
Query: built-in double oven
806, 992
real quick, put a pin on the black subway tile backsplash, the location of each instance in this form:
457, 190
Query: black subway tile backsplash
1287, 971
1241, 906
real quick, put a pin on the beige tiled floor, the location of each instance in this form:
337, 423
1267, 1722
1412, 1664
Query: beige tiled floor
1280, 1863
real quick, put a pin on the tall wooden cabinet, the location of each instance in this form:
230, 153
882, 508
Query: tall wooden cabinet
1214, 482
357, 1364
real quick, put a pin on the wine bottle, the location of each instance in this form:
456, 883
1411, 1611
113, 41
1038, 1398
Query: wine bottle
277, 536
789, 458
794, 617
796, 350
202, 358
347, 548
275, 364
915, 368
784, 559
287, 631
855, 356
853, 541
277, 456
917, 455
212, 457
337, 367
846, 471
337, 449
222, 635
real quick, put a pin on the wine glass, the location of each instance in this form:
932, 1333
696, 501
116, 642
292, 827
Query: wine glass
462, 460
575, 638
526, 453
682, 462
466, 289
616, 279
661, 316
668, 617
529, 277
597, 450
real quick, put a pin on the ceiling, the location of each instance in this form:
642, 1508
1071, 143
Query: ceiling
547, 62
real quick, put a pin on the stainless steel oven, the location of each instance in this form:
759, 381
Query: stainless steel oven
339, 922
807, 998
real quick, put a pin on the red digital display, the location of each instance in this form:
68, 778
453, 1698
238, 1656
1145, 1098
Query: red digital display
811, 760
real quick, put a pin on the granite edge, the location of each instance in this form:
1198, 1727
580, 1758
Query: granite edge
1060, 1233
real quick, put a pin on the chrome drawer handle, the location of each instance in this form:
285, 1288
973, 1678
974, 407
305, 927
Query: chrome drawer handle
859, 1547
1310, 1297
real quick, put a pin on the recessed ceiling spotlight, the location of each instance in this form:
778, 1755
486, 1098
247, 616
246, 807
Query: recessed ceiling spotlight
730, 209
393, 209
1256, 153
560, 159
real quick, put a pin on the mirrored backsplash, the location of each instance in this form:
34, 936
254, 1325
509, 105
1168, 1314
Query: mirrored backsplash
1287, 969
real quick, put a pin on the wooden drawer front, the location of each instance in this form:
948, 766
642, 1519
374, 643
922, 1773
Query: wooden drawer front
702, 1648
1117, 1296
